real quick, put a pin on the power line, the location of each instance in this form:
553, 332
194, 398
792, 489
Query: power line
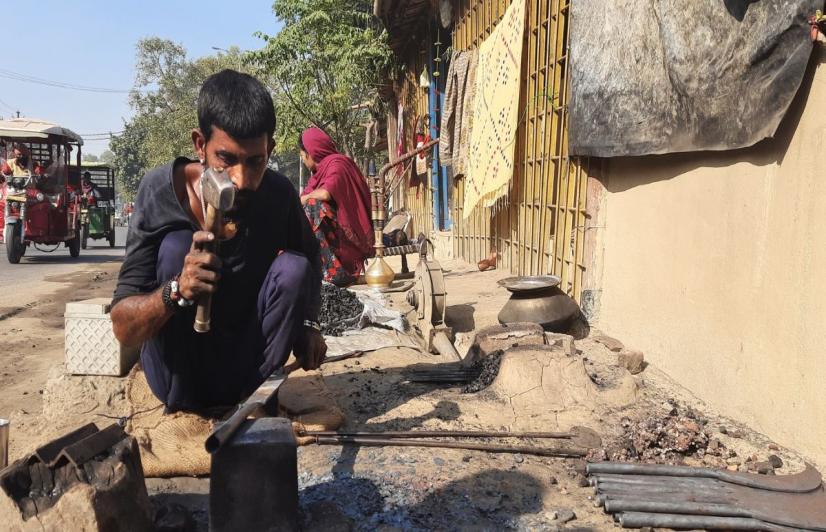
105, 133
7, 106
9, 74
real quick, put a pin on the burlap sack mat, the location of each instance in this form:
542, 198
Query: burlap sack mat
173, 444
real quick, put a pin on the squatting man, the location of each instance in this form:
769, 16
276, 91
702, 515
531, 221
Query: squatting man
265, 281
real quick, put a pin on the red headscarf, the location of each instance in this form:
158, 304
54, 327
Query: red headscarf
339, 175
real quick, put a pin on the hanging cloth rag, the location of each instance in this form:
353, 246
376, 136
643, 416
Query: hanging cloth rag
465, 122
495, 112
422, 138
450, 130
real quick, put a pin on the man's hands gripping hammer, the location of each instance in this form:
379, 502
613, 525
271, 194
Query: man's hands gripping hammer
201, 271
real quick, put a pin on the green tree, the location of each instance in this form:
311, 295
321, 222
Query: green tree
130, 160
89, 158
107, 157
328, 58
164, 100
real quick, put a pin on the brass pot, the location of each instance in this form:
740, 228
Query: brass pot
379, 274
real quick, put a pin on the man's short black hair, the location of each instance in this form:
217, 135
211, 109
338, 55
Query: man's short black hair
237, 103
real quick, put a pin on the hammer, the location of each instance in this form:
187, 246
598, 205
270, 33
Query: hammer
217, 196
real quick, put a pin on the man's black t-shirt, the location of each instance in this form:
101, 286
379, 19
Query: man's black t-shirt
276, 221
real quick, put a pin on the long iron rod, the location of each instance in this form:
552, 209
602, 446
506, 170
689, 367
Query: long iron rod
561, 452
441, 434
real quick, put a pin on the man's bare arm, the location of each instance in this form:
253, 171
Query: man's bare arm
135, 319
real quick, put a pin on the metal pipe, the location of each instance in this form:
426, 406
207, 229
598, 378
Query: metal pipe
4, 442
701, 483
378, 193
675, 507
561, 452
658, 491
639, 520
442, 434
445, 347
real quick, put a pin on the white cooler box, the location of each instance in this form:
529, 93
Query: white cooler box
91, 346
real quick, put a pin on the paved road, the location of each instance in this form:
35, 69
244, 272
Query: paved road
27, 277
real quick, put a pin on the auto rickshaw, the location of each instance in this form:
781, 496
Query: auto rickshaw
97, 215
42, 207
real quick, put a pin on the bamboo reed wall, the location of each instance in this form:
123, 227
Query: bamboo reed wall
541, 229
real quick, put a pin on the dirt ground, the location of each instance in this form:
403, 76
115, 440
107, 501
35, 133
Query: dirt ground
31, 343
392, 488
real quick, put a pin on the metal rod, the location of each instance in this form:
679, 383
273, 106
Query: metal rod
440, 380
675, 507
226, 430
653, 490
537, 451
4, 442
442, 434
639, 520
703, 483
345, 356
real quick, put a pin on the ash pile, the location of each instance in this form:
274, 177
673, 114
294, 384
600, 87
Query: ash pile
340, 311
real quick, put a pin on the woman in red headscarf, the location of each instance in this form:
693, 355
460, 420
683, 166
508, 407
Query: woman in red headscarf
337, 203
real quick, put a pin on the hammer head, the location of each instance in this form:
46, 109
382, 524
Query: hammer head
218, 190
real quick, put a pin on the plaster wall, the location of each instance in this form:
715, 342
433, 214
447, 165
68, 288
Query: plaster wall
713, 265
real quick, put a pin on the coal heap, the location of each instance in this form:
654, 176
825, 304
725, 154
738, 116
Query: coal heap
340, 310
489, 369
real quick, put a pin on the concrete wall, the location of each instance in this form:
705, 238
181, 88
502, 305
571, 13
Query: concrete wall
714, 264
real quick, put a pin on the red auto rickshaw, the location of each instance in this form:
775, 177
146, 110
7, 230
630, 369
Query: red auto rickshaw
41, 207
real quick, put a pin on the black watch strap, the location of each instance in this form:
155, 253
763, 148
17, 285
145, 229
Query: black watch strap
166, 295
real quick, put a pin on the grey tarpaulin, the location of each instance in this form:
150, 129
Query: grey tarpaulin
661, 76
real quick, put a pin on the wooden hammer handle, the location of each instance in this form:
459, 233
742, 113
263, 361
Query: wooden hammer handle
203, 314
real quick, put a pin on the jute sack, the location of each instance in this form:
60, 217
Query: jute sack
173, 444
305, 398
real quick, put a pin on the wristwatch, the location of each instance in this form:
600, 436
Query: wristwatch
312, 325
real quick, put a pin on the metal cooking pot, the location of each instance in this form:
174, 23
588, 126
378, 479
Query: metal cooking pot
538, 299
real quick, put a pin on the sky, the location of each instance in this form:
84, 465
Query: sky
92, 43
